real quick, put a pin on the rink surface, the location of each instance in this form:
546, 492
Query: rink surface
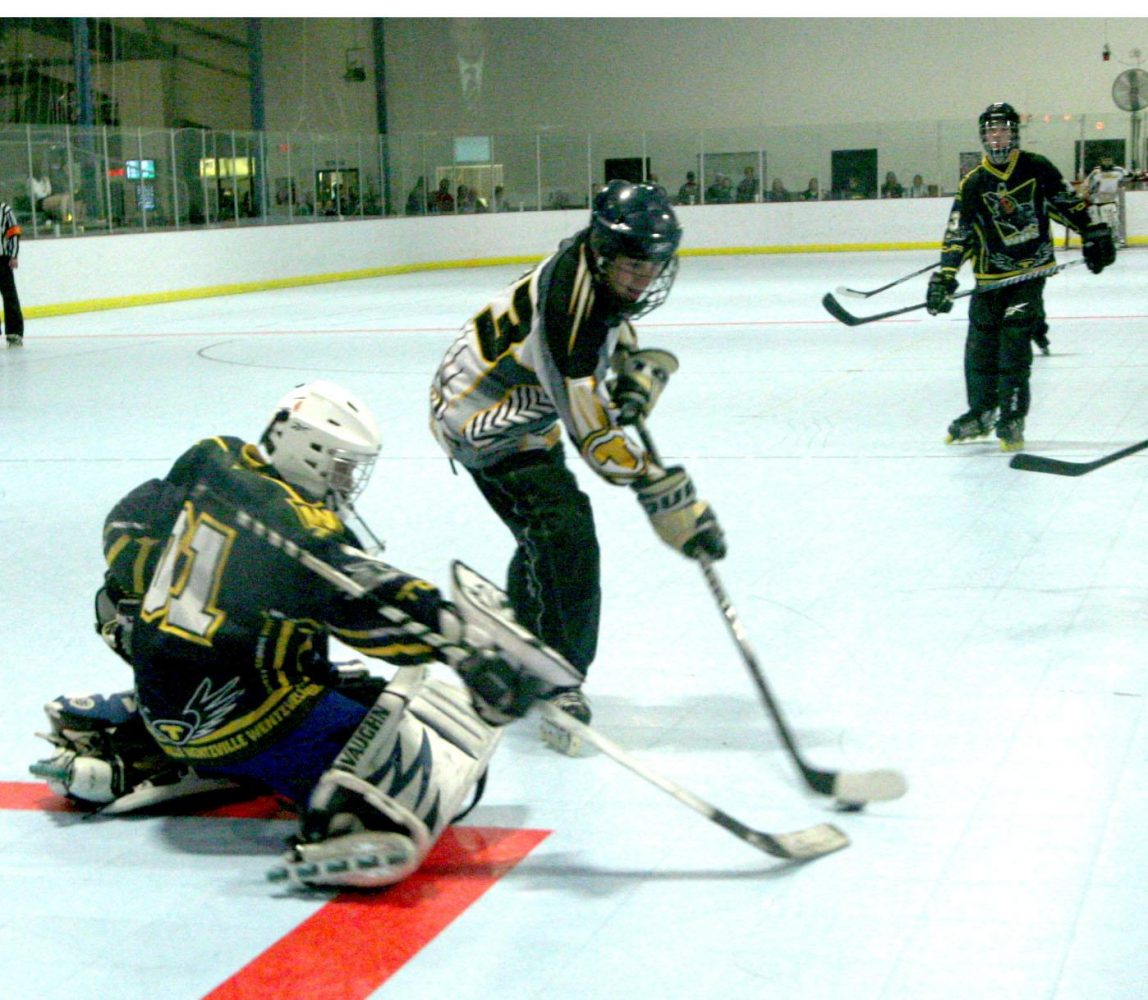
914, 605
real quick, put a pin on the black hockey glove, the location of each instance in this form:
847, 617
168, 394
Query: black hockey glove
1099, 248
939, 298
679, 517
500, 693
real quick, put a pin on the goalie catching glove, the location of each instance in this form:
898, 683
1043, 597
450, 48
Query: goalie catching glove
1099, 249
939, 298
642, 375
510, 667
500, 691
679, 517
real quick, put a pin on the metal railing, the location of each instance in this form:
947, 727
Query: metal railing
112, 180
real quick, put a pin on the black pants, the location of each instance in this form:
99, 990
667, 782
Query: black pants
554, 577
13, 317
998, 348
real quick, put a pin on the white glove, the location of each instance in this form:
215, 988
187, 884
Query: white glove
679, 517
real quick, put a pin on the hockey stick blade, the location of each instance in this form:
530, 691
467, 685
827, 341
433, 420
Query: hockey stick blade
1061, 467
800, 845
858, 294
855, 788
843, 315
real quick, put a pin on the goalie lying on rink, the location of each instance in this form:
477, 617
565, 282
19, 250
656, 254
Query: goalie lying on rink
212, 596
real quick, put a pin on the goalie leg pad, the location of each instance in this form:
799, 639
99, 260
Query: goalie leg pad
353, 853
374, 827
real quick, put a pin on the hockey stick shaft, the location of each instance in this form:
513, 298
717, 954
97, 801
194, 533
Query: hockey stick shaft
802, 845
848, 787
843, 315
819, 781
892, 284
1060, 467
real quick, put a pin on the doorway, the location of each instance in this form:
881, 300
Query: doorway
854, 173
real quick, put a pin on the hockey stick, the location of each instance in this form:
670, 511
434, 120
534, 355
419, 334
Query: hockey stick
1059, 467
800, 845
851, 788
855, 293
839, 312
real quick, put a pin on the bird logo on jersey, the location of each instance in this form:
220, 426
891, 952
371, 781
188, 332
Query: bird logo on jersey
1014, 212
202, 715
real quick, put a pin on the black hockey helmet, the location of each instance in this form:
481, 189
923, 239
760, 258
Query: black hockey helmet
636, 221
995, 116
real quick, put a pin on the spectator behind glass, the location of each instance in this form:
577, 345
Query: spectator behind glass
892, 187
690, 193
417, 199
777, 191
57, 206
747, 187
918, 188
812, 191
443, 203
720, 192
852, 190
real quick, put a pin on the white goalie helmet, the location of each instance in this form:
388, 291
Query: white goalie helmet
323, 440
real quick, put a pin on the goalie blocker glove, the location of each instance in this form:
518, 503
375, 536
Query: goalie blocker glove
679, 517
1099, 247
939, 298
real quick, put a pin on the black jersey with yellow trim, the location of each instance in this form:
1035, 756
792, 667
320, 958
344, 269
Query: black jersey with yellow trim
229, 645
1000, 218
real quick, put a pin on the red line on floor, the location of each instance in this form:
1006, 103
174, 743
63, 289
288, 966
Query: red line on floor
353, 944
356, 942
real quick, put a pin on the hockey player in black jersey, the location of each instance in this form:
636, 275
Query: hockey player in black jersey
556, 356
1000, 221
227, 637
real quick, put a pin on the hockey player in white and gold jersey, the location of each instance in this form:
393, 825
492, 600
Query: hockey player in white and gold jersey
557, 352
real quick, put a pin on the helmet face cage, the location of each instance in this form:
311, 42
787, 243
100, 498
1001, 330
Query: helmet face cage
349, 473
638, 222
656, 293
998, 116
323, 441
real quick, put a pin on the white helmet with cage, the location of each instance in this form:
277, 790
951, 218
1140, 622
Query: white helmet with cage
323, 440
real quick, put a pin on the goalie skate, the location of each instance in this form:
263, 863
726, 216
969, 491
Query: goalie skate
106, 783
364, 860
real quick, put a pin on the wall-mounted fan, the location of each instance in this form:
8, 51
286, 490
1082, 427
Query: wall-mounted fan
1130, 93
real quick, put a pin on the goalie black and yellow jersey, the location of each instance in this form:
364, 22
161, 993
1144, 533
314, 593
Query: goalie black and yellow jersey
229, 647
533, 363
1000, 216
